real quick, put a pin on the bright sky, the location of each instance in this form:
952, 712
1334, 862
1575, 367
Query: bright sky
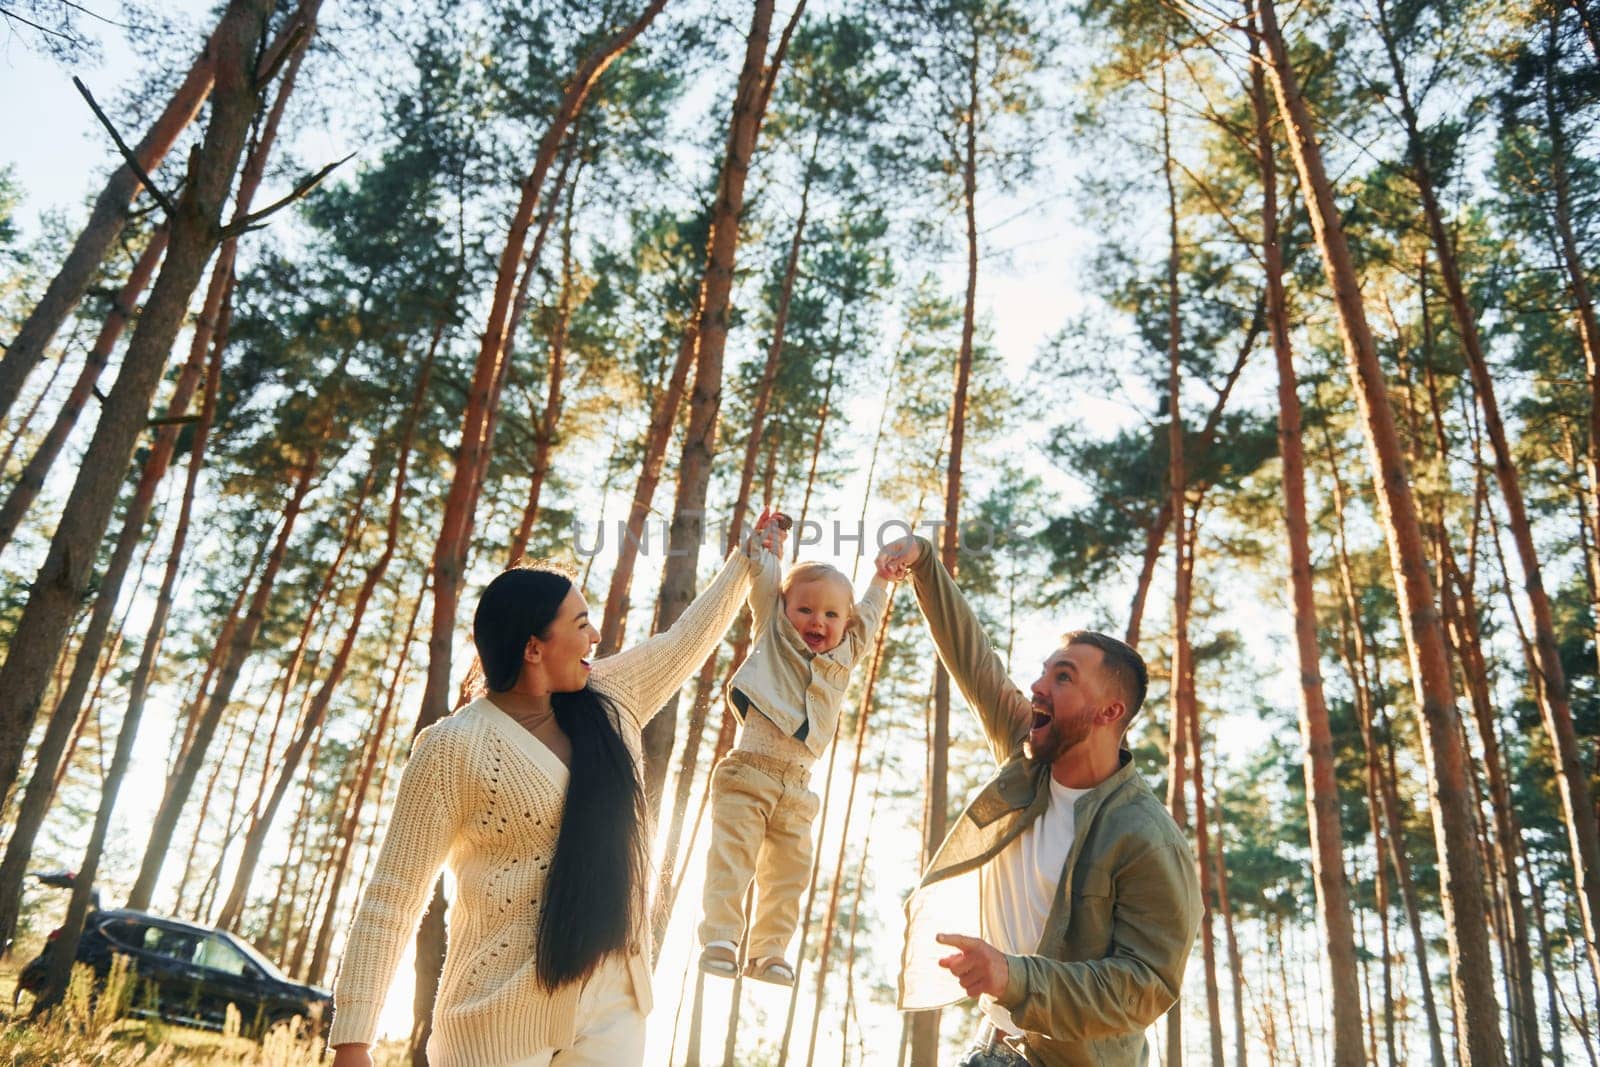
58, 152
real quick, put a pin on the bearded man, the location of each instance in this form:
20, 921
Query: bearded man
1065, 889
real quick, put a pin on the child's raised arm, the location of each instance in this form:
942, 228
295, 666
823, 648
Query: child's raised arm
764, 547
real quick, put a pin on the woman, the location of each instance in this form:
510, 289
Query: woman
531, 796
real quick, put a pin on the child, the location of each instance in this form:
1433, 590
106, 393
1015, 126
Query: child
805, 637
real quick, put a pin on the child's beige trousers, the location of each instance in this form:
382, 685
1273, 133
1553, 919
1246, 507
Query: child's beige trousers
761, 816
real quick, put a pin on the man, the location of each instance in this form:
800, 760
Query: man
1078, 886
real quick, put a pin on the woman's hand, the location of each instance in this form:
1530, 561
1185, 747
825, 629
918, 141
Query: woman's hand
896, 561
351, 1056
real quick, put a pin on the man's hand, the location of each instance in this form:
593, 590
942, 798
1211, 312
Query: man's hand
978, 966
896, 561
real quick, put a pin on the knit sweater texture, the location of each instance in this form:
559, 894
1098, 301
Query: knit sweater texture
483, 798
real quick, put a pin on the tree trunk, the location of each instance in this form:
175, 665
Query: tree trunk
1153, 539
106, 220
294, 860
311, 624
1472, 969
663, 415
545, 435
350, 826
1381, 781
205, 810
312, 721
1322, 789
71, 707
1461, 617
138, 687
455, 533
769, 371
52, 757
1208, 940
196, 231
1235, 963
1547, 964
20, 431
699, 440
33, 475
1182, 691
193, 758
829, 922
518, 314
1571, 778
210, 331
1156, 534
925, 1025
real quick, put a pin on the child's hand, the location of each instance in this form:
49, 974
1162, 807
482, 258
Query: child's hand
896, 561
771, 528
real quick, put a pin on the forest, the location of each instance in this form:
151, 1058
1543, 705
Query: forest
1262, 335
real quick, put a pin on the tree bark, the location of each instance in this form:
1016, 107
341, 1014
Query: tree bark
518, 314
1182, 684
196, 232
925, 1025
1235, 964
1381, 781
1472, 968
20, 430
210, 331
1153, 540
837, 886
1208, 940
139, 684
769, 371
350, 826
1572, 779
312, 720
455, 534
705, 401
33, 475
205, 810
545, 435
181, 781
106, 220
1322, 788
663, 415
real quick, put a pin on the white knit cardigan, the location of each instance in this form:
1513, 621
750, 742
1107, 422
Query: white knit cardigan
484, 797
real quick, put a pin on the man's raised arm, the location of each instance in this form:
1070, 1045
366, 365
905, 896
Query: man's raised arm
1002, 707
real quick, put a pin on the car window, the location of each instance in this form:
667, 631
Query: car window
126, 933
261, 961
178, 944
217, 954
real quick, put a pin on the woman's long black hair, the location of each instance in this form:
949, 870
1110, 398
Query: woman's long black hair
593, 897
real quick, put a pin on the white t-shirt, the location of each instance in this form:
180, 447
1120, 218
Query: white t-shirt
1017, 887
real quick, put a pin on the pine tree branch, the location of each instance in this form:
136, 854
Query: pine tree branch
255, 219
127, 153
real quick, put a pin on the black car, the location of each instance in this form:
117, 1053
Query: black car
189, 974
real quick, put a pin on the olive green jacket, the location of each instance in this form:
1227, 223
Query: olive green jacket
1115, 944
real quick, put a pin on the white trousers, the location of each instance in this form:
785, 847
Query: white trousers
609, 1026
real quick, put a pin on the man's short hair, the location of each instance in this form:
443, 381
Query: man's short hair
1122, 665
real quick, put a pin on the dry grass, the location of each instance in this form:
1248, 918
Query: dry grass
86, 1030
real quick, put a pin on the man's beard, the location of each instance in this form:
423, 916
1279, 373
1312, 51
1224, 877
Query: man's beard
1063, 734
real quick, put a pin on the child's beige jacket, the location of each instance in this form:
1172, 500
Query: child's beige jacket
799, 690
